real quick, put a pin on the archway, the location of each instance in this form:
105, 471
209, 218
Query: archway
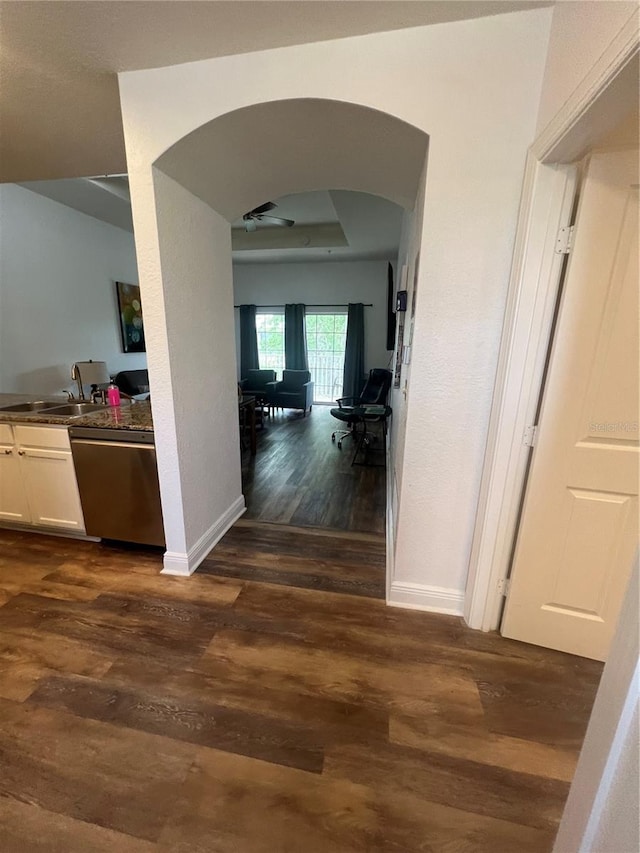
200, 185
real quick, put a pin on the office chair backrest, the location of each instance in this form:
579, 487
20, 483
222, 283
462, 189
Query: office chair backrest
376, 389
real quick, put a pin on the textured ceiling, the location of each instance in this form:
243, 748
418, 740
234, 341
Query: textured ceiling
59, 104
329, 226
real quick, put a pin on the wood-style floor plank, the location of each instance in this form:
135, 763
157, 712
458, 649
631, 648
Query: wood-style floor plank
272, 705
117, 778
433, 734
27, 828
27, 656
233, 803
74, 573
191, 720
107, 631
329, 719
299, 477
459, 783
316, 672
300, 558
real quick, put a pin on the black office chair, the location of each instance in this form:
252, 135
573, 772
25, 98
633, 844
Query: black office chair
375, 392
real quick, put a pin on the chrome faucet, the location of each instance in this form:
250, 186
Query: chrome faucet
75, 374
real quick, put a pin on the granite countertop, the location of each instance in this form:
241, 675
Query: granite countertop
130, 415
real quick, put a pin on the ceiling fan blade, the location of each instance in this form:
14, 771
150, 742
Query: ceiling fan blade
264, 208
276, 220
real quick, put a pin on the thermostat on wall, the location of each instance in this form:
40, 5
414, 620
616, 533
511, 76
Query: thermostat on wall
401, 300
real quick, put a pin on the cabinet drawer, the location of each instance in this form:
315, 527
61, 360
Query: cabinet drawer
54, 437
6, 434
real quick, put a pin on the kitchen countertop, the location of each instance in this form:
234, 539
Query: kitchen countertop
130, 415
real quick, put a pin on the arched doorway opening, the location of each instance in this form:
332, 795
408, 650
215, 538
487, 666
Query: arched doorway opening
199, 186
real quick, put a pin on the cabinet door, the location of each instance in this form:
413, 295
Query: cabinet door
52, 491
14, 506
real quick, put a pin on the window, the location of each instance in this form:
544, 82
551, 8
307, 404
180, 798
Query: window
270, 331
326, 339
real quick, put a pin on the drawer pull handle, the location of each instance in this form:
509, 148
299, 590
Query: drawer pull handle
8, 452
21, 452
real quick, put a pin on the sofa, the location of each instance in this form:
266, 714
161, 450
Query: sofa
132, 382
294, 391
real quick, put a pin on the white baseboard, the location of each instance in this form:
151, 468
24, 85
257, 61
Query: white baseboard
48, 531
390, 527
176, 563
435, 599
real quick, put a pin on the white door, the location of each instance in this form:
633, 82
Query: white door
579, 524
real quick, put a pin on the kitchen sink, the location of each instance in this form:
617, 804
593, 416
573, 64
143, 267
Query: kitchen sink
71, 409
35, 406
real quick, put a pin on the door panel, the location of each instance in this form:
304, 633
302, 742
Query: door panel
52, 489
579, 525
13, 498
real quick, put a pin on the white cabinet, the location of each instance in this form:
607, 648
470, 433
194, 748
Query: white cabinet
13, 496
41, 489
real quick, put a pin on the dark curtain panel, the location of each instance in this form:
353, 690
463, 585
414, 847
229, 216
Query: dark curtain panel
354, 351
295, 338
248, 340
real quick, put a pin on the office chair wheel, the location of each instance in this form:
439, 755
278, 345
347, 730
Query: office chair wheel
339, 444
333, 438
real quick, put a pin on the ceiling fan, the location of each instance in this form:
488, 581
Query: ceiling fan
260, 214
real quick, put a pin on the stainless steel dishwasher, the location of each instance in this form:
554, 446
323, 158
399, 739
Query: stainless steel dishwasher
118, 484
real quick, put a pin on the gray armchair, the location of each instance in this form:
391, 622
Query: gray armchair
295, 391
256, 382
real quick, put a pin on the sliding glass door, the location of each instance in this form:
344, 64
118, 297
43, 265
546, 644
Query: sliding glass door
326, 338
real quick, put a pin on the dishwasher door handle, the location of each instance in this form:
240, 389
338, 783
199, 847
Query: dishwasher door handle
123, 444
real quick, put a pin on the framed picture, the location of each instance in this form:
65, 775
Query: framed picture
130, 314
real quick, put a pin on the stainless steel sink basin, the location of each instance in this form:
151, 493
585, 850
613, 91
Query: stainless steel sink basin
72, 409
32, 406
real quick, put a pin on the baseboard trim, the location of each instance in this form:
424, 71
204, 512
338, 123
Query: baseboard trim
183, 565
434, 599
390, 528
48, 531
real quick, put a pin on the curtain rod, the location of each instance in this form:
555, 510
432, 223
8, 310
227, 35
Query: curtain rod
326, 305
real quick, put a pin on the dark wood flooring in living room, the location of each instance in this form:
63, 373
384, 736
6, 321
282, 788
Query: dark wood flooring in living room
271, 703
299, 477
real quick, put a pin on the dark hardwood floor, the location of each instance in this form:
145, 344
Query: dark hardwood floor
270, 703
309, 558
298, 477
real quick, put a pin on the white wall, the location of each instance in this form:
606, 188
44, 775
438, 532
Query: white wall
196, 400
579, 34
601, 815
329, 283
57, 292
474, 87
406, 273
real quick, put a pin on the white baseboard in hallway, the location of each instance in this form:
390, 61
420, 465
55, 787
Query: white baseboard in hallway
434, 599
185, 564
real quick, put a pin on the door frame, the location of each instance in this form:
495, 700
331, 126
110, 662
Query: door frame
550, 182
